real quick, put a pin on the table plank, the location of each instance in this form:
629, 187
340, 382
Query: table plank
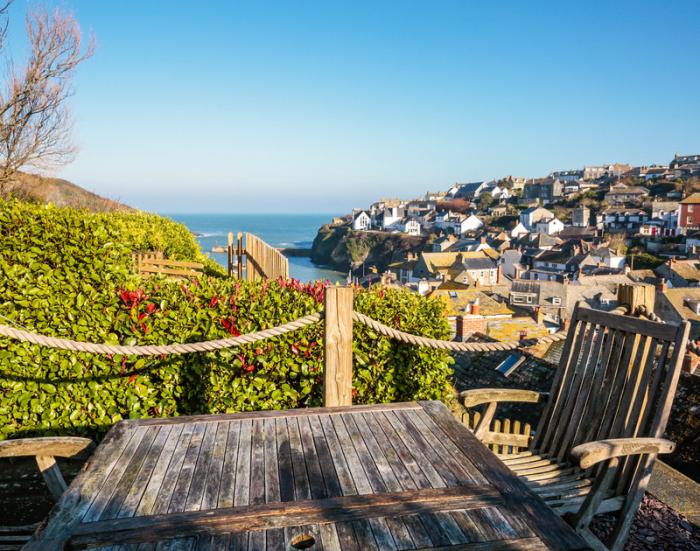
167, 486
330, 477
313, 466
195, 495
257, 467
284, 461
214, 474
342, 456
122, 487
100, 500
186, 474
228, 470
148, 499
241, 495
302, 486
145, 474
379, 460
404, 454
428, 456
282, 514
365, 471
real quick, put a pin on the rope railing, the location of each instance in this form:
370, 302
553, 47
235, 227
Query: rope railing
452, 345
157, 349
249, 338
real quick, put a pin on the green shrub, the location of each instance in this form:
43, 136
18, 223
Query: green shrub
68, 273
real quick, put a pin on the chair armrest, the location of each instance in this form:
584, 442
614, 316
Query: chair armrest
479, 396
590, 453
58, 446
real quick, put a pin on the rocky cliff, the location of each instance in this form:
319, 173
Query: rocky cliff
342, 248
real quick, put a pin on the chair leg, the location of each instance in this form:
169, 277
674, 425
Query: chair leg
52, 475
592, 540
595, 497
629, 509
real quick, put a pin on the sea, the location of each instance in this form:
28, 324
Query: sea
278, 230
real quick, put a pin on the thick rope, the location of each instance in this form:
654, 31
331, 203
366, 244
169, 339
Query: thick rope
452, 345
211, 346
157, 349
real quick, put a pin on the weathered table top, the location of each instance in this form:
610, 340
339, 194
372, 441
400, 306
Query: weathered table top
394, 476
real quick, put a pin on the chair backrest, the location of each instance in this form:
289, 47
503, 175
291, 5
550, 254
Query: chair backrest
616, 379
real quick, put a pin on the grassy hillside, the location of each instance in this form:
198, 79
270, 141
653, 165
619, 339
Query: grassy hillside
62, 193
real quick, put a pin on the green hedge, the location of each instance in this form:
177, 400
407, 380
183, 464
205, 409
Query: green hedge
68, 273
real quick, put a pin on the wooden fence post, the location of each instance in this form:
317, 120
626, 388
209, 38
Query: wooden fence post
239, 256
337, 375
230, 254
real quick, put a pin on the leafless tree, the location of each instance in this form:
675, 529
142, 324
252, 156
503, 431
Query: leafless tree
35, 119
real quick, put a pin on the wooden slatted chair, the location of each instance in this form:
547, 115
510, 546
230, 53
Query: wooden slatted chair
44, 450
596, 442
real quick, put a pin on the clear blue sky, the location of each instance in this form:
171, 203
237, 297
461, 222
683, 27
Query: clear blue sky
305, 106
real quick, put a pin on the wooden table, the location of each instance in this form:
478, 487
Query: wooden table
393, 476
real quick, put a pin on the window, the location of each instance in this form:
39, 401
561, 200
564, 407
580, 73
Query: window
690, 208
556, 300
689, 220
515, 299
529, 300
465, 279
453, 294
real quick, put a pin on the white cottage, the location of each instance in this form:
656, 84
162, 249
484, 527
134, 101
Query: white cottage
362, 221
550, 226
411, 226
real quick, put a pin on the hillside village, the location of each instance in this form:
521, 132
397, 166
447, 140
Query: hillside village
511, 257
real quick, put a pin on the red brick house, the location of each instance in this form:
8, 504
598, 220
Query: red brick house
689, 214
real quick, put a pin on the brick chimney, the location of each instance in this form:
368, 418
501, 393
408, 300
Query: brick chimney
661, 286
475, 309
468, 324
499, 274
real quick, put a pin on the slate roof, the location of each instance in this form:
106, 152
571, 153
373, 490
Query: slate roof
479, 264
680, 272
574, 232
468, 190
642, 276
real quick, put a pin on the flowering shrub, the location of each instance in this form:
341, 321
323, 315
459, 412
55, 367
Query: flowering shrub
67, 273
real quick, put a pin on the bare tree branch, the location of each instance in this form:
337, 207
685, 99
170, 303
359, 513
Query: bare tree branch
35, 119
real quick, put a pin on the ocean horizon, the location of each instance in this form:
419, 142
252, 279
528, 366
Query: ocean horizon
279, 230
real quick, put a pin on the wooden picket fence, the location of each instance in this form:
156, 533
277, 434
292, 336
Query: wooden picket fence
255, 259
152, 262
